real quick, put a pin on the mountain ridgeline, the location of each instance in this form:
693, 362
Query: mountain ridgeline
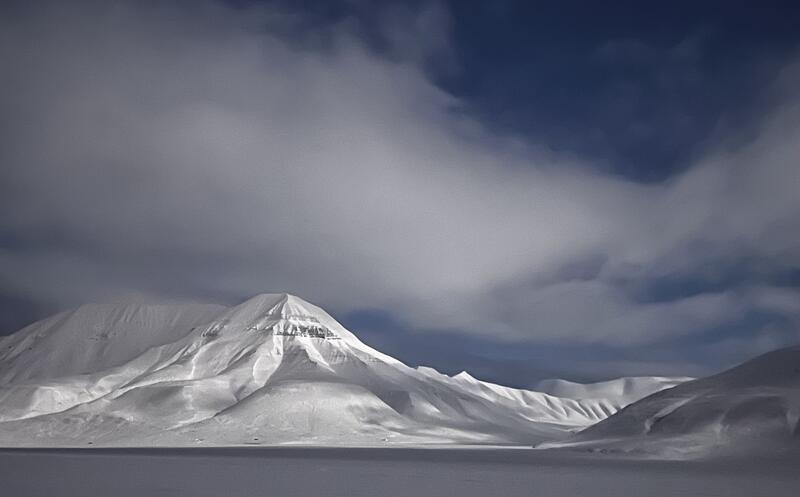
273, 370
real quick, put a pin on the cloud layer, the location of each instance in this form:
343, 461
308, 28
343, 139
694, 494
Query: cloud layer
214, 153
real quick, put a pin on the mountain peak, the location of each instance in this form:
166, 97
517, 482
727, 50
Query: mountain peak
278, 305
282, 314
291, 316
290, 306
464, 376
275, 366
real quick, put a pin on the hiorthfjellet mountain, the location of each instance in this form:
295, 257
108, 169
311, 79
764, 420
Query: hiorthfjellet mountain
273, 370
750, 409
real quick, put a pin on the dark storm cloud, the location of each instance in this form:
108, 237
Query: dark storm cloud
208, 152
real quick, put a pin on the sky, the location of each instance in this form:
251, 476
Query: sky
520, 189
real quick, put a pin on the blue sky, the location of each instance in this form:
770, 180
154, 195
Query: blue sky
520, 189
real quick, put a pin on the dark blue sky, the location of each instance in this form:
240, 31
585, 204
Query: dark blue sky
521, 189
641, 85
637, 86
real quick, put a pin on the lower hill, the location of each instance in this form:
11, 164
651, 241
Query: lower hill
750, 409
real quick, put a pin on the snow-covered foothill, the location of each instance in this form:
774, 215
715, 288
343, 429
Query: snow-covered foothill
752, 408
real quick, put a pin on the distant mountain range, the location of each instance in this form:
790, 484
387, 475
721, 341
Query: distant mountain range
273, 370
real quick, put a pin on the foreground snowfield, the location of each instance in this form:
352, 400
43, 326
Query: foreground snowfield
258, 471
273, 370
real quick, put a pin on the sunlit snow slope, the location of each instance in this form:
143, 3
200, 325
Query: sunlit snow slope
621, 390
273, 370
752, 408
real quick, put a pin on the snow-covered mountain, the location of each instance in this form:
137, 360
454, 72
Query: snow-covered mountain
275, 369
751, 408
622, 390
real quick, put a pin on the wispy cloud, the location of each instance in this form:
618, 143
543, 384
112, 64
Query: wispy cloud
201, 153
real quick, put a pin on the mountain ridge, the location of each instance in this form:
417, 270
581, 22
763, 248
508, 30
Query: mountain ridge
275, 369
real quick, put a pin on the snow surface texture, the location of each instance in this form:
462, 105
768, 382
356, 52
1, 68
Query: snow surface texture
378, 472
273, 370
752, 408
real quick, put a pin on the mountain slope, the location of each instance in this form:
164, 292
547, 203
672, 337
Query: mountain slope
95, 337
274, 369
622, 390
751, 408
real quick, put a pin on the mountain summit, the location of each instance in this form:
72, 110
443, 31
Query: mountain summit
274, 369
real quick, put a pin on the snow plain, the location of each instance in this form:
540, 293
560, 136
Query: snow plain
354, 472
